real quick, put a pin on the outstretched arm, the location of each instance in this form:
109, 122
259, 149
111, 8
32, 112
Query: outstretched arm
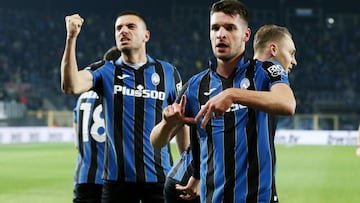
73, 81
182, 139
279, 100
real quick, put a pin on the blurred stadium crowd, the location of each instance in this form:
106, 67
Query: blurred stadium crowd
32, 41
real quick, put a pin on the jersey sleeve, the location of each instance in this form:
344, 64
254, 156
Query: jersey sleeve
76, 109
98, 76
182, 92
275, 72
178, 81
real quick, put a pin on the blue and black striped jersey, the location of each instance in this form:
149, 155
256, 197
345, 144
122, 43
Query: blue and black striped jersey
182, 169
235, 149
90, 135
133, 104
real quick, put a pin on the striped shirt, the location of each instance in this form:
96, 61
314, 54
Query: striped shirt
90, 135
182, 169
235, 149
133, 104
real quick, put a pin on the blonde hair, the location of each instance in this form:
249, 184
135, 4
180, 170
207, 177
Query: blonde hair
269, 33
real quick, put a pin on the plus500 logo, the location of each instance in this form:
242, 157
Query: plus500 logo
140, 92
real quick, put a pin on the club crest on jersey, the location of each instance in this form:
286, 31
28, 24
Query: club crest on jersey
155, 79
275, 70
245, 83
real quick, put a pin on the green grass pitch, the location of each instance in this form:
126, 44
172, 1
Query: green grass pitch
42, 173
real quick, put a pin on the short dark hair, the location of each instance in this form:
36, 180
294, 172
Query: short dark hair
231, 7
134, 13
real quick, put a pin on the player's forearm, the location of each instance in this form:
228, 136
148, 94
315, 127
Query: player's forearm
73, 81
283, 103
183, 138
162, 133
69, 68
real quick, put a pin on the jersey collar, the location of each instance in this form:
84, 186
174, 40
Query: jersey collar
242, 63
120, 62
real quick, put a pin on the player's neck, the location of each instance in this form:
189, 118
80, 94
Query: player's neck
225, 68
134, 58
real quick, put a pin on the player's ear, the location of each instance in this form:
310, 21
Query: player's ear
273, 49
247, 34
147, 36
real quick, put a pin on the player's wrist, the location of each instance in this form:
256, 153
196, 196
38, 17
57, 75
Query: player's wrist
71, 36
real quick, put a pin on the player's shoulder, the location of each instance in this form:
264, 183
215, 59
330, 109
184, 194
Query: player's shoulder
168, 68
271, 67
198, 77
265, 64
104, 67
95, 65
164, 63
153, 60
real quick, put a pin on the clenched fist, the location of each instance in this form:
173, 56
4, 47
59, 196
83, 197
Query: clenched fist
73, 25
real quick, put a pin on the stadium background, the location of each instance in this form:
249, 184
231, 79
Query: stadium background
33, 34
33, 109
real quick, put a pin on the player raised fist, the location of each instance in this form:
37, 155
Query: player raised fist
73, 25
